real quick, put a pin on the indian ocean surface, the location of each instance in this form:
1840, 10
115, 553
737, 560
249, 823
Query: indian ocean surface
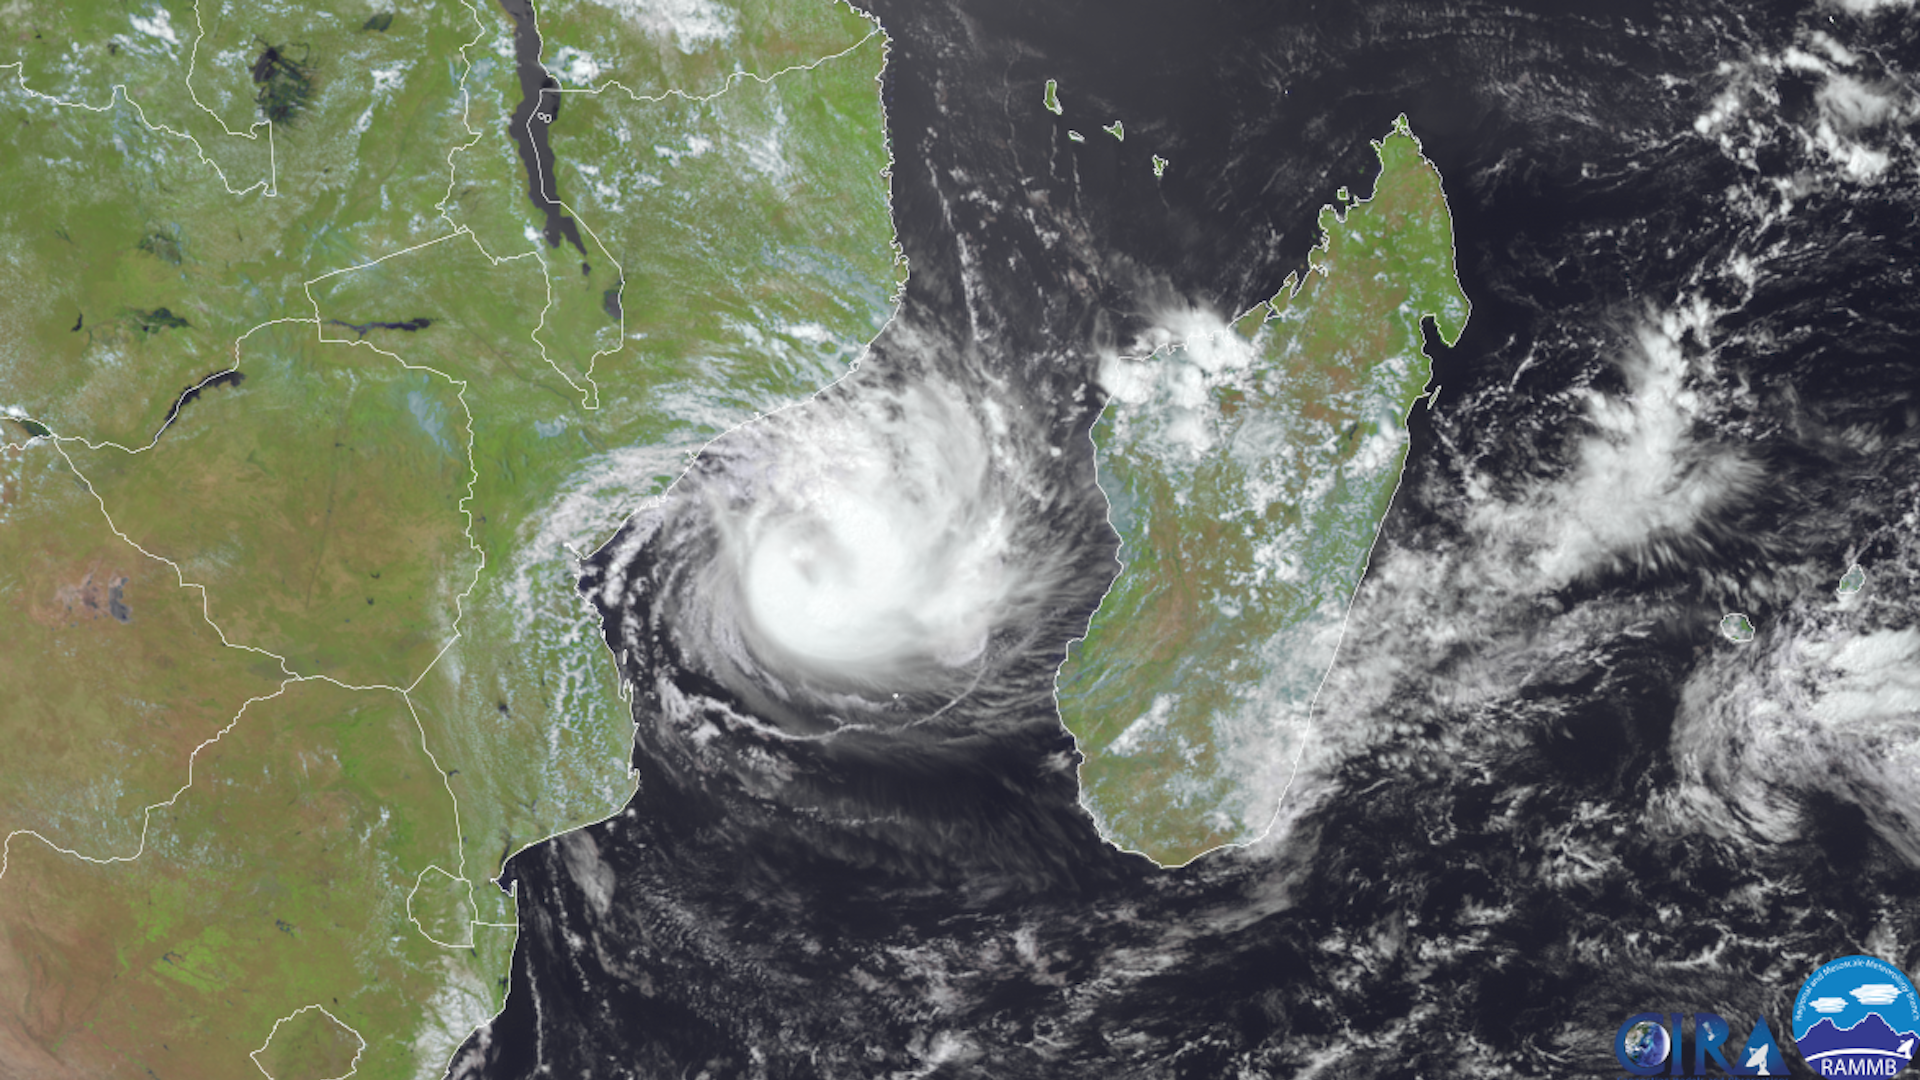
1542, 791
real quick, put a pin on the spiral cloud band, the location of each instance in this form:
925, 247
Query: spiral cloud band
876, 541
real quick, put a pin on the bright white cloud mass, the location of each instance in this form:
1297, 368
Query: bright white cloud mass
1876, 994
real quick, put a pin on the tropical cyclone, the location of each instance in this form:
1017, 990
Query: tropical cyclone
1249, 468
288, 782
865, 559
1534, 749
877, 542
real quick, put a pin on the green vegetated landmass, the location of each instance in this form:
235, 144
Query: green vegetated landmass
1246, 513
381, 505
244, 907
651, 53
311, 1043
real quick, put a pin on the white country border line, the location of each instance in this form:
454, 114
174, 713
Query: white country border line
474, 135
460, 392
459, 601
352, 1066
900, 258
473, 909
193, 62
6, 847
292, 679
590, 392
459, 845
269, 188
292, 676
118, 92
590, 396
110, 444
899, 253
405, 692
146, 820
733, 79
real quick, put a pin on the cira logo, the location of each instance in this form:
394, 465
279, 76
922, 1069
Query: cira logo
1857, 1016
1656, 1044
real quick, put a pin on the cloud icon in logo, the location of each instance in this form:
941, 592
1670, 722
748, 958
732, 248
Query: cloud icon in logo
1876, 994
1828, 1005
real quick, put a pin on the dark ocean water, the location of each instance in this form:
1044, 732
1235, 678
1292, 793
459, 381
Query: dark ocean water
1544, 792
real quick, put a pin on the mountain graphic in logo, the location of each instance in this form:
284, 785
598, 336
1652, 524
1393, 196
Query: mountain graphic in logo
1871, 1034
1857, 1016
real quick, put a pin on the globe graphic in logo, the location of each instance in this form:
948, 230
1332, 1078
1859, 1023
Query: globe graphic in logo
1646, 1044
